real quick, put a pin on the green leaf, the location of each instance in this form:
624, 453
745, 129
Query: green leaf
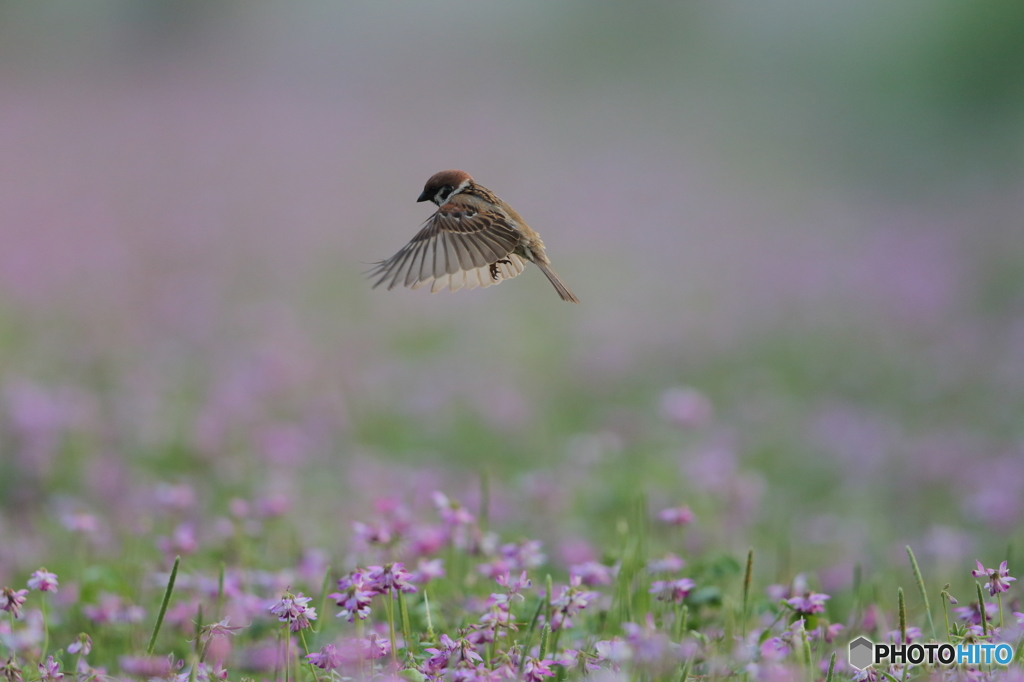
709, 595
412, 675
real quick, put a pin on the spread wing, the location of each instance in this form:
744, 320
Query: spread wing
459, 246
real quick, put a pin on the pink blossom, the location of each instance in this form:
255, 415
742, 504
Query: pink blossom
294, 610
427, 570
670, 563
43, 580
593, 573
82, 645
676, 516
672, 590
451, 511
390, 578
998, 578
809, 603
357, 592
328, 658
49, 671
686, 407
11, 600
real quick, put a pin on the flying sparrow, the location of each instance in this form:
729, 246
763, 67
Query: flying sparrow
474, 239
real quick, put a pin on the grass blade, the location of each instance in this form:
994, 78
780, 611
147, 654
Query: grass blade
746, 589
981, 608
163, 606
924, 593
831, 668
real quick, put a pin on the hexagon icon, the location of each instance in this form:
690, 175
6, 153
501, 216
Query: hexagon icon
861, 650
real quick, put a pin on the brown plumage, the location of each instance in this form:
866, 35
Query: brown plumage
473, 239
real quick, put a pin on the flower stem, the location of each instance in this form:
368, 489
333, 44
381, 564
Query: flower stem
46, 629
410, 644
305, 648
430, 622
391, 627
359, 635
220, 592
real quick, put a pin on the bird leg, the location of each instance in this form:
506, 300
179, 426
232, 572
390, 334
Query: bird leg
494, 268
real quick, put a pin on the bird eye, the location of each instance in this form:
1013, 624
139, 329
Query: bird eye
443, 194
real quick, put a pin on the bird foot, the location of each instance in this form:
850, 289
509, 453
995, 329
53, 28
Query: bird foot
494, 268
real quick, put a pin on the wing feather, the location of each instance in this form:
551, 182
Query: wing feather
455, 248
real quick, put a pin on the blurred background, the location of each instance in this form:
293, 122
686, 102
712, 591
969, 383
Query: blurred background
795, 229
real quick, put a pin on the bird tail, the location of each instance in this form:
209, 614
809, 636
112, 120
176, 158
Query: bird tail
563, 291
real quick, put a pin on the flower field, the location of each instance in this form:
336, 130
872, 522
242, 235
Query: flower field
785, 416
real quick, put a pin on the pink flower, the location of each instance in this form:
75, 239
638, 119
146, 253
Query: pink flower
672, 590
774, 649
50, 671
427, 570
451, 511
998, 578
913, 635
427, 539
182, 541
514, 586
676, 516
515, 557
81, 523
82, 645
11, 670
686, 407
670, 563
328, 658
220, 629
450, 653
809, 603
377, 647
570, 602
593, 573
112, 610
356, 595
535, 670
43, 580
11, 600
372, 535
293, 610
146, 666
390, 578
972, 614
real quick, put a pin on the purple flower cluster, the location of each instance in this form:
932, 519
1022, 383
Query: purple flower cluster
359, 587
294, 610
672, 590
571, 600
998, 578
450, 654
112, 609
43, 580
514, 557
351, 652
808, 603
11, 600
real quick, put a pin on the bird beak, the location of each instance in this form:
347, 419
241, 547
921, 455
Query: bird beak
424, 197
